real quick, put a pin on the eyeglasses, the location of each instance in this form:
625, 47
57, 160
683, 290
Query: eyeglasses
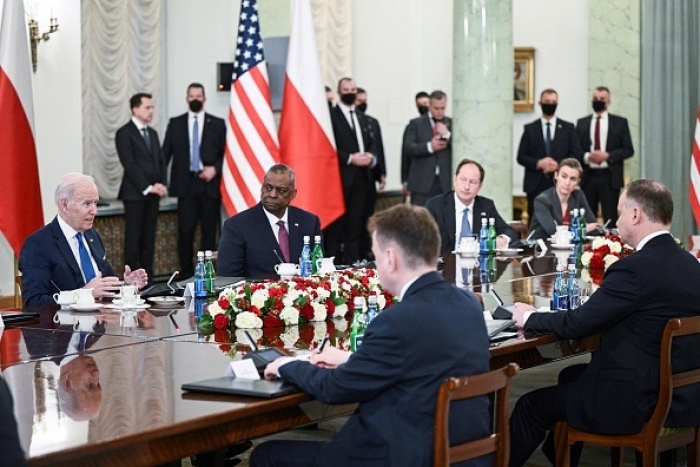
465, 181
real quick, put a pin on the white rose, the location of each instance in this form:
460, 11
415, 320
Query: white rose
340, 311
609, 259
615, 247
586, 258
248, 320
320, 312
258, 298
323, 293
214, 309
290, 297
598, 242
585, 274
290, 336
290, 315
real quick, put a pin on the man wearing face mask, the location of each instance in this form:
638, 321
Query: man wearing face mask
545, 142
607, 142
195, 142
357, 155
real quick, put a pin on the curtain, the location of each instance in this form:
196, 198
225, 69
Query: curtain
122, 54
670, 98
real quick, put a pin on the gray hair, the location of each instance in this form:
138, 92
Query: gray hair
68, 184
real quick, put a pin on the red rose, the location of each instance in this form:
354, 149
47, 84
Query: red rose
225, 348
307, 312
272, 322
221, 321
223, 303
597, 261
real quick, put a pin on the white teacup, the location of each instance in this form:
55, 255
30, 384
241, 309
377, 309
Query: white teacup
468, 245
287, 269
562, 236
84, 297
66, 318
64, 298
325, 265
128, 292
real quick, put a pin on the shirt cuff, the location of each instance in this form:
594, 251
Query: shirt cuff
374, 162
430, 148
349, 159
147, 190
586, 156
526, 315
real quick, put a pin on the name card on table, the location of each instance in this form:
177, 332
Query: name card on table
243, 369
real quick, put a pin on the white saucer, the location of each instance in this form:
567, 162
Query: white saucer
93, 307
559, 246
466, 252
166, 301
142, 306
509, 251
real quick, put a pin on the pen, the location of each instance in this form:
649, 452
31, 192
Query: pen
323, 344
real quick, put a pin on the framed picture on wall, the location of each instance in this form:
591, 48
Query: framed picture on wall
524, 79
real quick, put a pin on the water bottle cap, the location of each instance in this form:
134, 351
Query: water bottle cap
317, 238
208, 254
307, 239
200, 253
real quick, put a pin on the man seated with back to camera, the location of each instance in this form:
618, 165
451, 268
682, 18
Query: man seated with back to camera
67, 254
449, 209
435, 331
616, 393
271, 232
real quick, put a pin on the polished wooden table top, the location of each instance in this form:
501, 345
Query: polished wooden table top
118, 400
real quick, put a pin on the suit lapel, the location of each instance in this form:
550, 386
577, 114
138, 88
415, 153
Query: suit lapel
450, 219
265, 233
65, 249
296, 240
98, 253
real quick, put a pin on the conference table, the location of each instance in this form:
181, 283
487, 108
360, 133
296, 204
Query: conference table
104, 388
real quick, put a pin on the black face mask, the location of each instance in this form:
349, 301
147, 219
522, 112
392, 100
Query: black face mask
348, 99
422, 109
549, 109
599, 106
362, 107
196, 106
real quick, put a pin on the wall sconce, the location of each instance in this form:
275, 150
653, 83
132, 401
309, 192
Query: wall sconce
32, 7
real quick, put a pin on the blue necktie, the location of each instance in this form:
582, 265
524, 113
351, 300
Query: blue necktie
194, 159
466, 228
81, 341
85, 263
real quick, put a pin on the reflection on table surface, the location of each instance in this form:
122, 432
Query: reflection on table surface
60, 405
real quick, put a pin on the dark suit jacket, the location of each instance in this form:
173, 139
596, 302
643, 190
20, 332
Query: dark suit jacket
421, 173
176, 146
532, 149
618, 145
408, 350
142, 167
10, 449
248, 244
375, 134
46, 257
548, 211
442, 207
346, 144
618, 390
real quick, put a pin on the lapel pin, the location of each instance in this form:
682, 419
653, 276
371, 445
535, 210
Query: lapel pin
296, 225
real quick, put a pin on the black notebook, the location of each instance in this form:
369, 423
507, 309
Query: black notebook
242, 387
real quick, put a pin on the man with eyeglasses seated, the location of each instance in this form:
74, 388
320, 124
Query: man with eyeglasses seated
271, 232
458, 212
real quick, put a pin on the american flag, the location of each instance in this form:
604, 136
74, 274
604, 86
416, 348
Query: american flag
251, 136
694, 188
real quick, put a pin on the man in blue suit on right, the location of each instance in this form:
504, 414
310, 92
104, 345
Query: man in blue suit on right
435, 331
617, 391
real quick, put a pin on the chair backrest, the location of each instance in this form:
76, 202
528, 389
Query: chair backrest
453, 389
668, 381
